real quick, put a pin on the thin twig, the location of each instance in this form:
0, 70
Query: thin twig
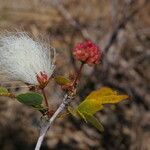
120, 26
67, 98
66, 14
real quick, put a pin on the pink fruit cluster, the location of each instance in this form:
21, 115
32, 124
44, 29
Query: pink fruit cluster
87, 52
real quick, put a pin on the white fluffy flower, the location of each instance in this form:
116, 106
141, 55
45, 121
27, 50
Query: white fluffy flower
24, 59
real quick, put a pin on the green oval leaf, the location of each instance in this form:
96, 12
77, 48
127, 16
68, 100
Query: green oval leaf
94, 121
72, 111
30, 99
61, 80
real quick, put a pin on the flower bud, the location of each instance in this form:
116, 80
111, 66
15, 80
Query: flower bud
87, 52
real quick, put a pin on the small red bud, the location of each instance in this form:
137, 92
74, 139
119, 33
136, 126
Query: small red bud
42, 78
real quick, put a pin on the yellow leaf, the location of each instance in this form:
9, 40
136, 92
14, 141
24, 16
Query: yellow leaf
112, 99
96, 99
104, 91
106, 96
94, 102
90, 106
3, 90
6, 93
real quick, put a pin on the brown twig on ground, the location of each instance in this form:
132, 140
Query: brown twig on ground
120, 26
66, 14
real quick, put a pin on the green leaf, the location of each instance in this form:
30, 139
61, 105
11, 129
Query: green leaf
30, 99
81, 115
61, 80
76, 113
87, 118
90, 107
40, 108
3, 90
72, 111
94, 121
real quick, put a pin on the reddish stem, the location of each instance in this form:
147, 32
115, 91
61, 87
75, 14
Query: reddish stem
78, 74
46, 101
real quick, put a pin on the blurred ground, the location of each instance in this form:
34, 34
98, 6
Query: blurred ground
122, 28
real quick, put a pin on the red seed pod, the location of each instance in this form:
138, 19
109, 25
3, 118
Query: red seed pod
87, 52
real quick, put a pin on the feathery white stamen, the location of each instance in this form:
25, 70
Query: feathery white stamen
22, 58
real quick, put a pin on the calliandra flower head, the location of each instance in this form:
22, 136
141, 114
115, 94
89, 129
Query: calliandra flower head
87, 52
24, 59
